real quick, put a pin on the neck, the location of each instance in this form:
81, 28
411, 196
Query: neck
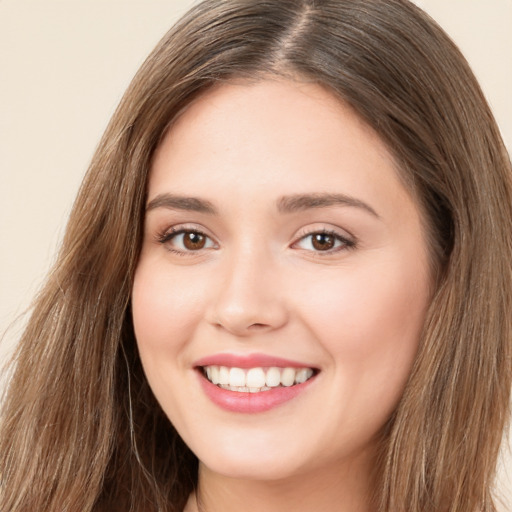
344, 489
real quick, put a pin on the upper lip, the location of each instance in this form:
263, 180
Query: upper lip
249, 361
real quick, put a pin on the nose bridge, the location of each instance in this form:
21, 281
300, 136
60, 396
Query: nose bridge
249, 296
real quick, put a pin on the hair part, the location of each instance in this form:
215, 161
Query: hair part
81, 429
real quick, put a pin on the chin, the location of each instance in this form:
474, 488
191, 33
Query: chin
268, 468
252, 461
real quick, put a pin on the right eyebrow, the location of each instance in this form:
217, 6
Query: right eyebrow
176, 202
298, 202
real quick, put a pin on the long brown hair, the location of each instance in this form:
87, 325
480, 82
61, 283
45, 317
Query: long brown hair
80, 428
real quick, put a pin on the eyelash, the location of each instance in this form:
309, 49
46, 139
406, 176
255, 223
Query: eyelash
170, 234
346, 243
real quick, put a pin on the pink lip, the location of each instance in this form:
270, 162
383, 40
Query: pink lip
249, 361
262, 401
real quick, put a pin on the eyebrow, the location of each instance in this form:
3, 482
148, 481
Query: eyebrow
300, 202
174, 202
285, 204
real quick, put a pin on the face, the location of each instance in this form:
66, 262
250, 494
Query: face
283, 281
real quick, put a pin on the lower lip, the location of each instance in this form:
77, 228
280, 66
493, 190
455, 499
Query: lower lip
261, 401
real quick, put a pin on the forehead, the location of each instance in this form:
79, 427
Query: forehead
270, 138
283, 109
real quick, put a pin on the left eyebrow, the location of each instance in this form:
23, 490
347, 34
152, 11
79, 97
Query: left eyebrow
299, 202
174, 202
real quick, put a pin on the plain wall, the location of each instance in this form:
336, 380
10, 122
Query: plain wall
63, 68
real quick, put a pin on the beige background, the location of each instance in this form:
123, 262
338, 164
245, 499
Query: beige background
64, 66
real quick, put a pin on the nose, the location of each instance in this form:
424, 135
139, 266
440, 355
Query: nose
250, 298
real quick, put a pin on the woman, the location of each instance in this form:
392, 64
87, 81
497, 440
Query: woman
308, 203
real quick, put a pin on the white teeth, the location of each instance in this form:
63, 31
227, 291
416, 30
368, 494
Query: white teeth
223, 375
236, 377
273, 377
214, 371
303, 375
254, 380
288, 377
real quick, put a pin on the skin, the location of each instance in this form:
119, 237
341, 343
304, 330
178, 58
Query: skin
259, 285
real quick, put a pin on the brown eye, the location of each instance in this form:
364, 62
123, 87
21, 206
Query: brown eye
193, 241
186, 240
323, 241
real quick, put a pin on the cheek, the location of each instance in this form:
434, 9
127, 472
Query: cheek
367, 310
370, 322
165, 309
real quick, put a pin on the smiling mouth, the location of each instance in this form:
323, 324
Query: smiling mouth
255, 380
